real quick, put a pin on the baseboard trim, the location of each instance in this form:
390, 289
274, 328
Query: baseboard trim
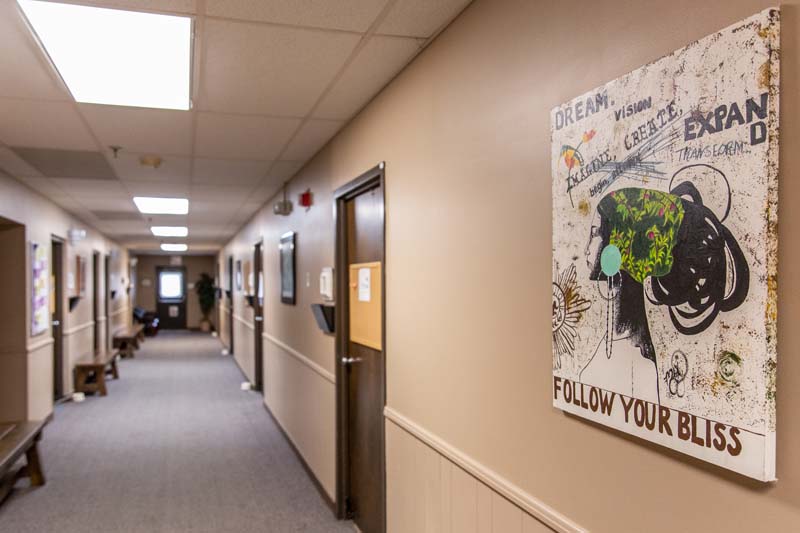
244, 374
302, 358
326, 498
533, 506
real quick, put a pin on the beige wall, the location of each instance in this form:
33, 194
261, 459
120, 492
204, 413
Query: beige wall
195, 265
298, 357
31, 367
465, 135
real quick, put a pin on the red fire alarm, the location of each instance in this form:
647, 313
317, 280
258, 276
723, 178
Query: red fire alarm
306, 199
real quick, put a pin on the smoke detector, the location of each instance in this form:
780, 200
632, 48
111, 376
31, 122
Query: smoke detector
153, 161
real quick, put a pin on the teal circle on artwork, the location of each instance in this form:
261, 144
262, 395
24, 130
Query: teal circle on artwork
610, 260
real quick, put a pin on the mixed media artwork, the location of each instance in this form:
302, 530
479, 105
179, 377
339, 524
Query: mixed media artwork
665, 249
40, 290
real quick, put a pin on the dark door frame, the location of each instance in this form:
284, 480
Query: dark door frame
57, 248
258, 315
107, 297
95, 301
366, 181
230, 304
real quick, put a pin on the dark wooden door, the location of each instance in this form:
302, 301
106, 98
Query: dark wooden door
258, 316
230, 304
360, 221
57, 277
96, 301
107, 300
171, 297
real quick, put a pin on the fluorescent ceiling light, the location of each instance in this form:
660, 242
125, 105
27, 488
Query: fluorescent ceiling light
115, 57
174, 247
161, 206
170, 231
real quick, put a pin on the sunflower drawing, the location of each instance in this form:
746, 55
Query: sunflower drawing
568, 309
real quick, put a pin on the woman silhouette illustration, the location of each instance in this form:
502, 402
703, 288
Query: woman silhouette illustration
676, 251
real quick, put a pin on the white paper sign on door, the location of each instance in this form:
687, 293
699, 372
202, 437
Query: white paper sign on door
364, 284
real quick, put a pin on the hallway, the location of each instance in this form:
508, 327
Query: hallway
176, 446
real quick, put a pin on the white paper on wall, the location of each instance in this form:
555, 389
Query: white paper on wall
364, 284
665, 249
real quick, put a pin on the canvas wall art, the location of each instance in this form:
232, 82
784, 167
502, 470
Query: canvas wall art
665, 249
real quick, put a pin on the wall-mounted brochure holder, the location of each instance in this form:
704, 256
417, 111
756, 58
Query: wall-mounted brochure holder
324, 315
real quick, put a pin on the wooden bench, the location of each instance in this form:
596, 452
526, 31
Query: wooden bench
20, 438
98, 368
127, 340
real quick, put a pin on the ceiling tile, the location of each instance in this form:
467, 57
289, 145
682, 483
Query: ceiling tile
228, 171
23, 71
176, 6
78, 188
375, 65
125, 227
136, 129
349, 15
44, 186
282, 171
420, 18
272, 70
15, 166
122, 205
67, 163
158, 188
198, 209
243, 137
203, 231
311, 137
265, 191
127, 212
43, 125
173, 169
230, 193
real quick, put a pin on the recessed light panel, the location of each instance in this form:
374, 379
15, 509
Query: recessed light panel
174, 247
115, 57
170, 231
161, 206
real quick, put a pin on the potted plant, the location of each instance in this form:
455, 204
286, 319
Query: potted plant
206, 295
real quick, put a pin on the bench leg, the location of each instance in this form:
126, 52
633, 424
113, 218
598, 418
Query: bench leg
80, 381
114, 370
101, 383
34, 465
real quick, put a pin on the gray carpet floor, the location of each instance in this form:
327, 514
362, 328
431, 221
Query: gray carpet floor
176, 446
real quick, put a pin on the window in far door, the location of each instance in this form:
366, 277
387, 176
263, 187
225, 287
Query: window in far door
170, 286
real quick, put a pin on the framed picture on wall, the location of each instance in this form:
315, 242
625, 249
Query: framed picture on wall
80, 270
40, 290
239, 275
287, 268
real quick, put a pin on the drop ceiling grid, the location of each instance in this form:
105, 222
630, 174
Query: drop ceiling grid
252, 144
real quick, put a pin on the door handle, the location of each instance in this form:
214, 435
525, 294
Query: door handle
350, 360
56, 323
259, 319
